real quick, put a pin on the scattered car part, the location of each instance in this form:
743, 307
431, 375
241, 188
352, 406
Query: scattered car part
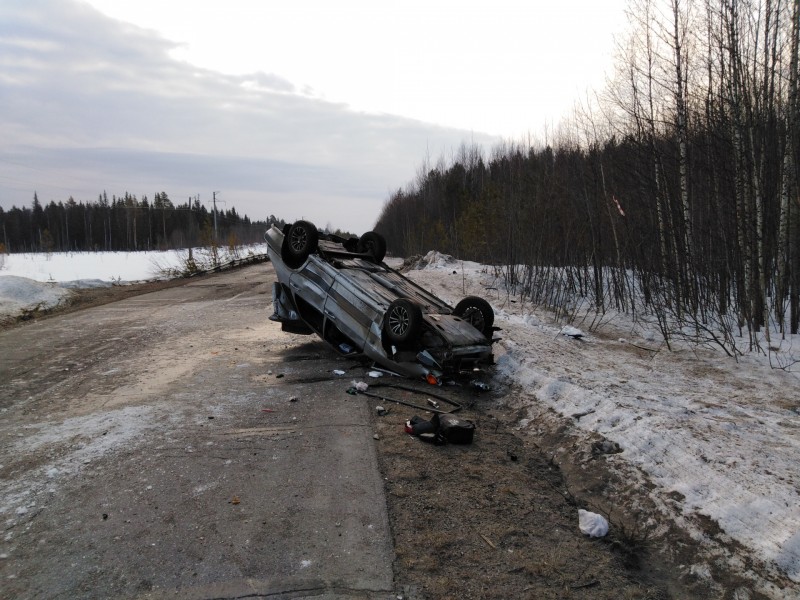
445, 428
453, 429
356, 389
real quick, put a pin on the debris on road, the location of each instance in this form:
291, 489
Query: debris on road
416, 426
479, 385
362, 389
453, 429
606, 447
444, 428
592, 524
572, 332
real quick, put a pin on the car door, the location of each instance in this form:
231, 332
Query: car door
311, 286
349, 308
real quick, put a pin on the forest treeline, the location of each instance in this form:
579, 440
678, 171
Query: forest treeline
674, 192
124, 223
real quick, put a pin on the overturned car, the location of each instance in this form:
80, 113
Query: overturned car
341, 290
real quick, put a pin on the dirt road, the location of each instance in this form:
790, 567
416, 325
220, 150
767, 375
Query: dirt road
166, 445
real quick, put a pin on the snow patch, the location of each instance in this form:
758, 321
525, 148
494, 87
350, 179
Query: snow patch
18, 294
72, 444
42, 280
435, 260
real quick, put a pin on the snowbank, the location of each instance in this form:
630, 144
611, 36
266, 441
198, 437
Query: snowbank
18, 294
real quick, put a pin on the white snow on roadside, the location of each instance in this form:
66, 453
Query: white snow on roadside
41, 279
721, 434
18, 294
108, 267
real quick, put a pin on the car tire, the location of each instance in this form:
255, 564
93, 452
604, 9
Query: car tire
299, 243
477, 312
402, 321
373, 243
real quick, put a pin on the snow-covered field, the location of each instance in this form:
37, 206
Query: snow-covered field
720, 438
43, 280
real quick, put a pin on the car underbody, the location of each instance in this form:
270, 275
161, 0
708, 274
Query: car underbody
341, 290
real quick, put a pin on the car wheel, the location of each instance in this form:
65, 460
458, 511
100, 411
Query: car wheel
299, 243
477, 312
373, 243
403, 321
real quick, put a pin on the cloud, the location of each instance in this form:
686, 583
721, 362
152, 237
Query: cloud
89, 104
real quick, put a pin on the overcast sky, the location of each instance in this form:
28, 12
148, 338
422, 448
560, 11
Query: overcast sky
309, 108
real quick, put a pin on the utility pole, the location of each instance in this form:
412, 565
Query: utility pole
215, 215
191, 225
